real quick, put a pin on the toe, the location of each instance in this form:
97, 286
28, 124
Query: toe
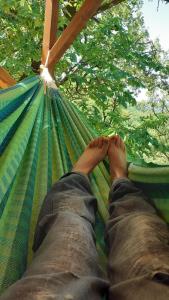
100, 142
112, 140
113, 137
95, 142
120, 142
111, 143
105, 140
117, 141
92, 143
122, 145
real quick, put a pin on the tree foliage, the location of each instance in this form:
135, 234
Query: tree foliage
110, 62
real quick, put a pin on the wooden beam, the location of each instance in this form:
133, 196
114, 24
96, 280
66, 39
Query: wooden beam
5, 79
50, 28
78, 22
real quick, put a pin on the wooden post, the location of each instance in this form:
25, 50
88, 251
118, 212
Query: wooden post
78, 22
5, 79
50, 29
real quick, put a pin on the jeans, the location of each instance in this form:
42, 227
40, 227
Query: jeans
65, 265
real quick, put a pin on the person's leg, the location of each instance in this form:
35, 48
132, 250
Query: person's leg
138, 239
65, 265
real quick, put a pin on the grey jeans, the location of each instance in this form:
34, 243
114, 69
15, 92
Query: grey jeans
65, 266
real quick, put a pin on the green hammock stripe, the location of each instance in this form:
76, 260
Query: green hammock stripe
16, 91
12, 156
149, 175
15, 221
11, 124
12, 107
41, 136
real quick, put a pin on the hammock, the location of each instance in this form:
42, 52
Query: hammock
41, 136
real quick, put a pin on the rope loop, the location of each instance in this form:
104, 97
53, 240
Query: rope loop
46, 76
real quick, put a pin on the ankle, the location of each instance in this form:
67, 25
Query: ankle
84, 171
118, 173
119, 176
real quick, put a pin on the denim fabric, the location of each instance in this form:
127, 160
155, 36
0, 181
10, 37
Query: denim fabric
137, 239
66, 266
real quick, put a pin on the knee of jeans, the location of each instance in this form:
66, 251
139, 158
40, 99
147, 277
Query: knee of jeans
42, 229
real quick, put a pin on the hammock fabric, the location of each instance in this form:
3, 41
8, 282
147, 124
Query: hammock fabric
41, 136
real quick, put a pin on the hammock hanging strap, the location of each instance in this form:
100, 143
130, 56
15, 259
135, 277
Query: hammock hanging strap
46, 76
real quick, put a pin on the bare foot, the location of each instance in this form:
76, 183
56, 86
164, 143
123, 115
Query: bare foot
93, 154
117, 158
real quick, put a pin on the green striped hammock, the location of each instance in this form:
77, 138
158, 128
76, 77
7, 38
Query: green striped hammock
41, 136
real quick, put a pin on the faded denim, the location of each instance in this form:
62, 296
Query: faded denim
65, 265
